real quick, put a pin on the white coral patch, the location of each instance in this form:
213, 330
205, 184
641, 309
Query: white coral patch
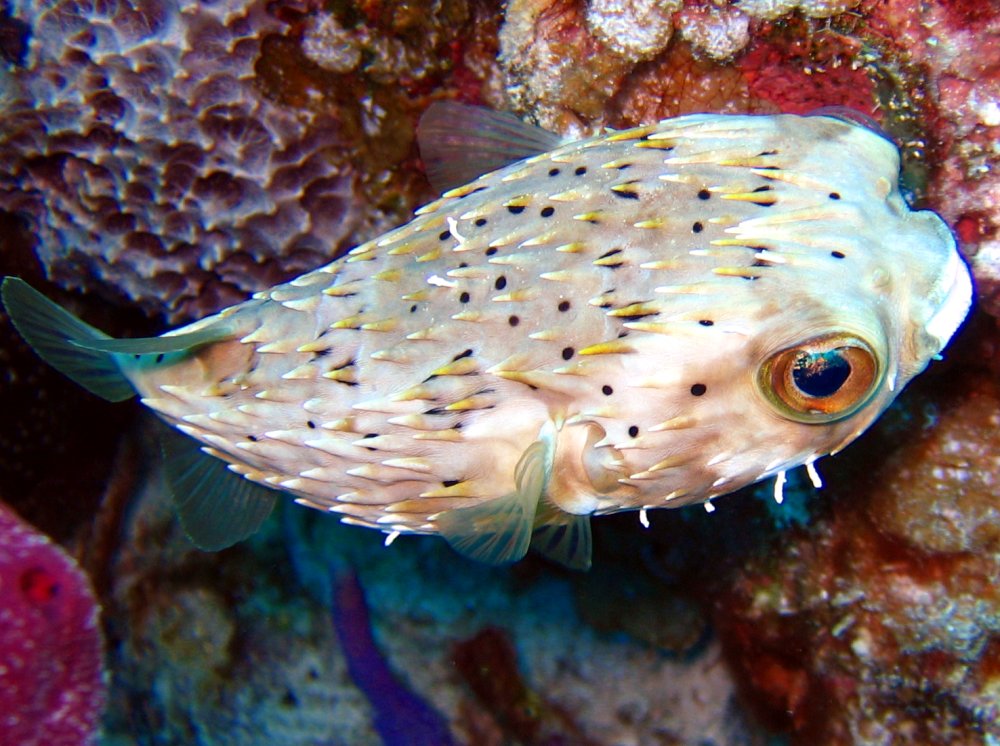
635, 29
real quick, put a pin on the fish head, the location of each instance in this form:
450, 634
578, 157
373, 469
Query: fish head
841, 296
857, 323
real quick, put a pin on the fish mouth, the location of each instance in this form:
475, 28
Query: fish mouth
955, 291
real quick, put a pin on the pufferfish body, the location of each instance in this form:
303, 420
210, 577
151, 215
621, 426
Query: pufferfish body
646, 318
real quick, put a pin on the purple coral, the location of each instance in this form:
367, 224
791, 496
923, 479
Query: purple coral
142, 146
401, 717
51, 686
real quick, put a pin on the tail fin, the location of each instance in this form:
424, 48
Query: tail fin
61, 340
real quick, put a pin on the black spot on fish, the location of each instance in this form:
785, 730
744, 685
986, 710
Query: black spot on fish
464, 353
501, 283
159, 358
513, 320
343, 366
548, 212
834, 195
413, 308
311, 425
609, 254
491, 251
837, 254
697, 228
626, 194
704, 194
252, 438
636, 316
554, 172
480, 222
764, 203
580, 171
450, 482
564, 306
698, 389
607, 390
515, 209
633, 431
464, 298
706, 322
568, 353
444, 235
623, 166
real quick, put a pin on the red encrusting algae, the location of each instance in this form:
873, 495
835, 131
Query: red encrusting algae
52, 688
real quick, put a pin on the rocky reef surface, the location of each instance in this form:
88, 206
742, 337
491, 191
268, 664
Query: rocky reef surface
168, 157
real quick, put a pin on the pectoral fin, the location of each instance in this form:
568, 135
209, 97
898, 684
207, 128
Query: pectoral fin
216, 507
563, 538
499, 531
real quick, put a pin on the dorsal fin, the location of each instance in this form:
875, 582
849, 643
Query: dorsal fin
217, 508
459, 143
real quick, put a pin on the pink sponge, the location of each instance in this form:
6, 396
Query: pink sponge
52, 689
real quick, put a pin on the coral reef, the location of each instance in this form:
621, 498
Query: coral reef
955, 46
882, 621
400, 715
180, 156
223, 648
52, 689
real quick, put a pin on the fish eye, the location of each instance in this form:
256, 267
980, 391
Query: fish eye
821, 380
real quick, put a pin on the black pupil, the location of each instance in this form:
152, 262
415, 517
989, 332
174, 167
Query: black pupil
820, 374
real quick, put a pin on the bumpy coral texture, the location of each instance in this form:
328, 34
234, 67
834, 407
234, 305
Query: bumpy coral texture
51, 686
883, 621
138, 143
958, 45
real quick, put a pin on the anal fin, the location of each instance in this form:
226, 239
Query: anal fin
216, 507
499, 531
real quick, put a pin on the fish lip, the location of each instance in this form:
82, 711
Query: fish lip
956, 290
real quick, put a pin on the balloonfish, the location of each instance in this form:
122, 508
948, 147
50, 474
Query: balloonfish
649, 317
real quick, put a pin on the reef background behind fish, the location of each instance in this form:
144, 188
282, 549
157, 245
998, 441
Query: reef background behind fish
931, 671
245, 152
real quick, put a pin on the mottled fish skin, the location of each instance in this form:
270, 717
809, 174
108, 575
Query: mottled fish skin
617, 295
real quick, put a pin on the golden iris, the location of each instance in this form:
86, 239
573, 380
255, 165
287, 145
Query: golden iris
821, 380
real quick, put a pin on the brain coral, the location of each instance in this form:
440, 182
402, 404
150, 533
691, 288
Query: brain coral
142, 149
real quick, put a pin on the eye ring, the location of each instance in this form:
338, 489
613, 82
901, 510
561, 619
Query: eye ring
821, 380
